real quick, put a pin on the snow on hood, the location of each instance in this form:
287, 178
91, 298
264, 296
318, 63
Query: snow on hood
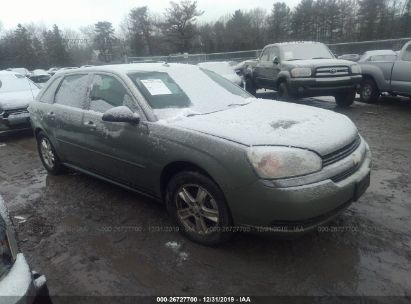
277, 123
320, 63
16, 100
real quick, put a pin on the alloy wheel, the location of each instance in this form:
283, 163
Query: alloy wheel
47, 153
197, 209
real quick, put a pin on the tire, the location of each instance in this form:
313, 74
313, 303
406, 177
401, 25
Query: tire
369, 92
250, 86
48, 155
199, 208
283, 91
345, 100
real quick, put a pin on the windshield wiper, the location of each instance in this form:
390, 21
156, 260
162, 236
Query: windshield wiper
229, 106
294, 59
238, 104
321, 58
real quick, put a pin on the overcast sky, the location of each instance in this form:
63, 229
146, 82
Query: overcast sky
78, 13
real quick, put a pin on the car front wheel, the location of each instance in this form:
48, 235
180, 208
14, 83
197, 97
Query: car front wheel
345, 100
369, 92
199, 208
283, 91
48, 155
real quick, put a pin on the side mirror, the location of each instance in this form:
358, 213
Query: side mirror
276, 60
121, 114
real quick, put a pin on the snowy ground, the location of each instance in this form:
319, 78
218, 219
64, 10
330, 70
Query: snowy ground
91, 238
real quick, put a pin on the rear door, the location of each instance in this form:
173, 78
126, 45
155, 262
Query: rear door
117, 150
401, 73
66, 115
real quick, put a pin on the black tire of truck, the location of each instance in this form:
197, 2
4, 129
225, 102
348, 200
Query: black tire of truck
283, 91
369, 92
345, 100
250, 86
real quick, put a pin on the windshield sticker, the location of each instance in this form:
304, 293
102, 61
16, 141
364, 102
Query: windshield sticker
156, 87
288, 55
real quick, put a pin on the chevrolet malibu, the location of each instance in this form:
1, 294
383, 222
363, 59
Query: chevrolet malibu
219, 159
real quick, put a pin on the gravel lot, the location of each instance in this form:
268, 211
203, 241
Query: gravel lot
91, 238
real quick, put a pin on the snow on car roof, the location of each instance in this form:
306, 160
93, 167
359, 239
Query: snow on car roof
134, 67
295, 43
8, 73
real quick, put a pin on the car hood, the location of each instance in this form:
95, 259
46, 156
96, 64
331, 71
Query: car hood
266, 123
316, 63
16, 100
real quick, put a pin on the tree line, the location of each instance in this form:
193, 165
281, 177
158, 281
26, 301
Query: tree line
177, 30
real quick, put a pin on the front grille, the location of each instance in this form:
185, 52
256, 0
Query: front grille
332, 71
345, 174
342, 153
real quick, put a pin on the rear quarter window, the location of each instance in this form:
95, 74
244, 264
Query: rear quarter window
72, 91
50, 92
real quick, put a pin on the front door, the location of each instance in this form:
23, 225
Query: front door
116, 149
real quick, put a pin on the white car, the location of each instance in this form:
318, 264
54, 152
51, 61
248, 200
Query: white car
224, 69
16, 92
40, 77
22, 71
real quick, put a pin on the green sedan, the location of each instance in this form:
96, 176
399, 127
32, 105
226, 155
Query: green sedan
221, 160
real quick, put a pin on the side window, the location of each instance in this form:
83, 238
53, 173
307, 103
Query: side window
48, 95
106, 93
72, 91
407, 54
276, 53
266, 54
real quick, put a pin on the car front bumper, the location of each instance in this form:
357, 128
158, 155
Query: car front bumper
15, 119
323, 86
14, 122
298, 209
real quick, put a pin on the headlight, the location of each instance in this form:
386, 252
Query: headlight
301, 72
282, 162
356, 69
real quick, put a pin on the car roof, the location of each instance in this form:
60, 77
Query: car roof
133, 67
8, 73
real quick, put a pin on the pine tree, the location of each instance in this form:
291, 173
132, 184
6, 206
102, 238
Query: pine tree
280, 23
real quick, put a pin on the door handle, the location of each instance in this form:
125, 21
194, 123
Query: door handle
90, 124
51, 115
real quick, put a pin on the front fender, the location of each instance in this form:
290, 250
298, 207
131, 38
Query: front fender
283, 75
375, 73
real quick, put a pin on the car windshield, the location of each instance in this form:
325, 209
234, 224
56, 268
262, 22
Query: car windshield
305, 51
199, 90
222, 68
15, 83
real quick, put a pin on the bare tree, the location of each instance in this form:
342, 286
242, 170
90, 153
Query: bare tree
179, 26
